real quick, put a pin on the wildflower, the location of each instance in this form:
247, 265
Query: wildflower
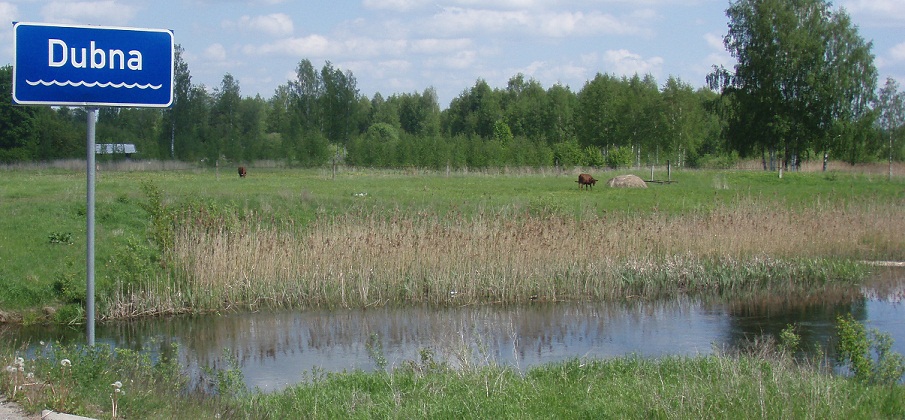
117, 392
11, 369
20, 362
30, 376
65, 363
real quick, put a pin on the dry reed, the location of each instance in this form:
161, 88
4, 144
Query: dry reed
365, 259
873, 168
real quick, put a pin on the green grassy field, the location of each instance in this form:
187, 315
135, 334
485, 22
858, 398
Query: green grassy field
369, 236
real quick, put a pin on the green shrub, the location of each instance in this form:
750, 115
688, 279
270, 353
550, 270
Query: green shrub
789, 340
619, 157
568, 153
228, 383
70, 314
855, 346
131, 263
69, 285
593, 157
375, 351
160, 231
714, 161
60, 238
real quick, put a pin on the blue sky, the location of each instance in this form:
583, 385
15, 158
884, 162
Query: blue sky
404, 46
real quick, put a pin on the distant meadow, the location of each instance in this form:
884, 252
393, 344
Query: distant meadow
189, 239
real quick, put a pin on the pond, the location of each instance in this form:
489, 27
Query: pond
279, 348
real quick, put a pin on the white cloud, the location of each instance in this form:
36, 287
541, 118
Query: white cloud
313, 45
894, 56
439, 46
897, 53
289, 75
381, 69
504, 4
8, 12
645, 14
715, 41
475, 22
358, 47
393, 74
370, 47
215, 53
394, 5
566, 73
398, 84
394, 66
578, 23
454, 20
624, 62
459, 60
276, 24
718, 57
532, 68
885, 9
108, 12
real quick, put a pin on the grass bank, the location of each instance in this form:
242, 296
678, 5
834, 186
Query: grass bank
763, 381
187, 240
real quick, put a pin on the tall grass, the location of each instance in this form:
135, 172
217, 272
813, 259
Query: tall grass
625, 388
512, 255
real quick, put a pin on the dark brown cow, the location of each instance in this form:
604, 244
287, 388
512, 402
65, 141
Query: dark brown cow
585, 179
242, 172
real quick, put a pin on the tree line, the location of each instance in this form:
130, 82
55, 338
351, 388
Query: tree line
804, 87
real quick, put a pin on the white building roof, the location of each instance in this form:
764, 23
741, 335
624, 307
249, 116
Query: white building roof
111, 148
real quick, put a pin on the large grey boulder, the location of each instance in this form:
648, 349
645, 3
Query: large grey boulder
626, 181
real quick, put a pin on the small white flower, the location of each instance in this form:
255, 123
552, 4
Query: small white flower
30, 375
117, 385
41, 342
65, 363
11, 369
20, 362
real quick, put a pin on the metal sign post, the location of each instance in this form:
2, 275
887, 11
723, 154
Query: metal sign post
92, 66
89, 303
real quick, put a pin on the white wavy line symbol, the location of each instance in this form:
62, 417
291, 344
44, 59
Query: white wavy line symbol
94, 84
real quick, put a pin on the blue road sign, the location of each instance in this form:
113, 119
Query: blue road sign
92, 66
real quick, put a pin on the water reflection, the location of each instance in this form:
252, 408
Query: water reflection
279, 348
814, 316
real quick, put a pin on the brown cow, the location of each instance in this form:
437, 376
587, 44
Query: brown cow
242, 172
585, 179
